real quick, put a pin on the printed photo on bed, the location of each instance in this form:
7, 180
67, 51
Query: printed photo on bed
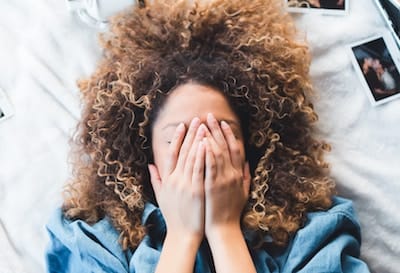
334, 7
6, 109
390, 11
376, 61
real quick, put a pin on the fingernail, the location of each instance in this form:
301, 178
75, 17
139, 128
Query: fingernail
201, 129
210, 116
180, 127
224, 125
195, 121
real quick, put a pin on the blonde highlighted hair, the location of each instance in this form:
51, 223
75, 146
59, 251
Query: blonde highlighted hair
245, 49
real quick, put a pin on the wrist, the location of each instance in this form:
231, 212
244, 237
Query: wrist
182, 240
230, 250
225, 232
178, 253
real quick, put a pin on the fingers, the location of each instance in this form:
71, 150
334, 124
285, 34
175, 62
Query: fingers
216, 132
217, 146
193, 153
187, 143
246, 178
225, 142
198, 169
233, 145
174, 147
155, 179
204, 149
211, 167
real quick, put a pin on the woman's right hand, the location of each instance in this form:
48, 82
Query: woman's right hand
180, 193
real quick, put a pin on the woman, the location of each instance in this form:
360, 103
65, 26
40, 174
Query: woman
384, 75
196, 151
379, 79
327, 4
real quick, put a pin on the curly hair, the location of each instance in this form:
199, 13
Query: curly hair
248, 51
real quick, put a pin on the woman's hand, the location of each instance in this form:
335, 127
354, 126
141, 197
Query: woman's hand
203, 190
180, 194
227, 178
227, 182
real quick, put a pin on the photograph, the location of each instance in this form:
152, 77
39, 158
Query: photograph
318, 6
378, 69
390, 11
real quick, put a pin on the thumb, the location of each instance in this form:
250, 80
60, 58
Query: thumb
246, 178
155, 178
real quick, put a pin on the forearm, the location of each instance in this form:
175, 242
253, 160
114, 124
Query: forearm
178, 254
230, 251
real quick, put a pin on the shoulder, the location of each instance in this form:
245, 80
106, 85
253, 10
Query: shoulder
71, 231
329, 242
75, 244
341, 213
322, 225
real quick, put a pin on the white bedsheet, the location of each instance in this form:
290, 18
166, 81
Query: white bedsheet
44, 50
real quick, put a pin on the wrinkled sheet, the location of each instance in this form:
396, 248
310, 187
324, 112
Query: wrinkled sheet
44, 50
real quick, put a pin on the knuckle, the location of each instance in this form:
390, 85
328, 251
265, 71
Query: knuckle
235, 149
212, 165
234, 177
199, 166
218, 154
224, 147
197, 170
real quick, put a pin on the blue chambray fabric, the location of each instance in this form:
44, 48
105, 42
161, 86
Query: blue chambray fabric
329, 242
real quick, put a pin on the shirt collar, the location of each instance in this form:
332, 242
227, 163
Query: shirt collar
149, 210
153, 220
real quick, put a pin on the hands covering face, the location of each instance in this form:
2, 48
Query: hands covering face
206, 182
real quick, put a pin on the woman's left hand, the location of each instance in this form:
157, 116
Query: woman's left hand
227, 178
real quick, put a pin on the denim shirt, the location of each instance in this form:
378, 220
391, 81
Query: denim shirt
329, 242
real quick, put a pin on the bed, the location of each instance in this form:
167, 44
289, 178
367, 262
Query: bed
44, 49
